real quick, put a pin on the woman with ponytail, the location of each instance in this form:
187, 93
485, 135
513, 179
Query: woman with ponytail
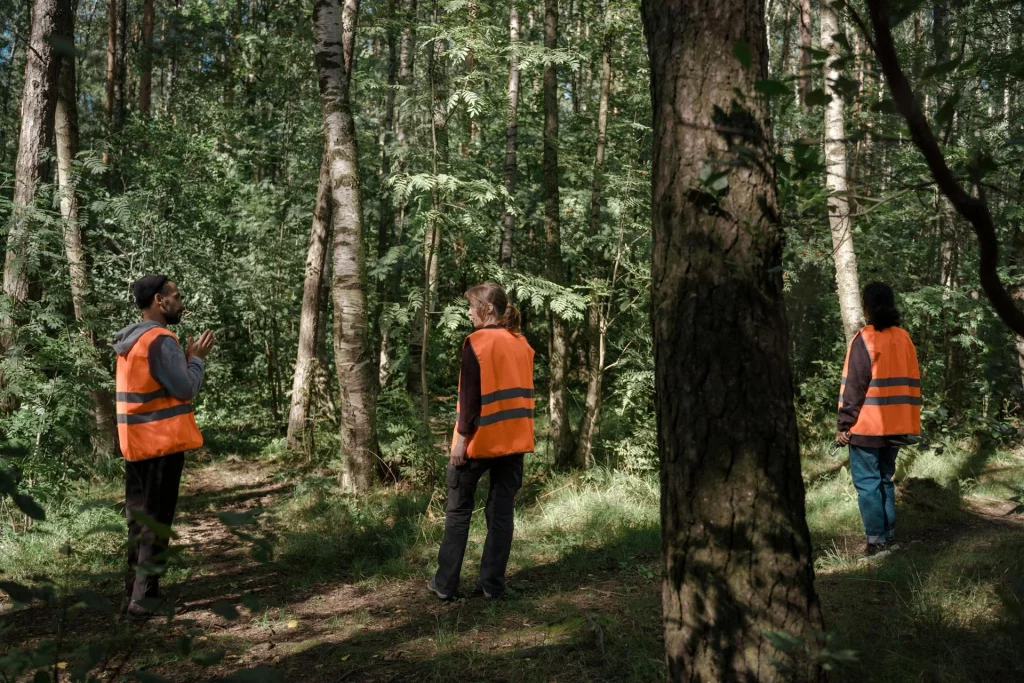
494, 428
879, 410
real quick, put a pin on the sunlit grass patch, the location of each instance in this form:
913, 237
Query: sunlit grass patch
83, 535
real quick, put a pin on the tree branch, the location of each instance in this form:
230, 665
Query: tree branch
973, 209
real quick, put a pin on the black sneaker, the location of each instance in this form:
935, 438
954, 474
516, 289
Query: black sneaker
432, 587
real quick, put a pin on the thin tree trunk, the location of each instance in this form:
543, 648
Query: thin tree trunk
419, 348
352, 347
146, 58
108, 104
386, 288
66, 143
474, 127
840, 223
305, 361
561, 431
595, 311
121, 67
735, 543
805, 50
787, 30
508, 221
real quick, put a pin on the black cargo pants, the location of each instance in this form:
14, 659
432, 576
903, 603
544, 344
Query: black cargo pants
505, 481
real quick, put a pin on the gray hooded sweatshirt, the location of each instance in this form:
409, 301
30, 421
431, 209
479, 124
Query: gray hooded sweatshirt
167, 363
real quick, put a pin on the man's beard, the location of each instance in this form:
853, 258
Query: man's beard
173, 318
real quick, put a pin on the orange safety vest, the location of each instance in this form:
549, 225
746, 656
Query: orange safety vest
150, 422
892, 405
505, 425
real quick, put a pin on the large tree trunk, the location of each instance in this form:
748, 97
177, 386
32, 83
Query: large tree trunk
50, 26
558, 354
847, 285
146, 58
309, 318
508, 221
735, 544
805, 50
352, 347
595, 312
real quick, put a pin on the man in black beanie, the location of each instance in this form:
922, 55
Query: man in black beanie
156, 382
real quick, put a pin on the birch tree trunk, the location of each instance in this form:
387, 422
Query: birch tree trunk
508, 221
595, 311
351, 344
561, 431
847, 284
735, 543
309, 318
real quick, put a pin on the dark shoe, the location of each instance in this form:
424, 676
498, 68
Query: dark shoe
479, 590
432, 587
872, 549
140, 612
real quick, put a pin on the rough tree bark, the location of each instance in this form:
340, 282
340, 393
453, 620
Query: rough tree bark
50, 26
595, 311
735, 543
558, 354
146, 58
840, 223
352, 346
66, 143
508, 221
309, 318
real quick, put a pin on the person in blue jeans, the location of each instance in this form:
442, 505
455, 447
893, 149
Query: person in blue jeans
879, 410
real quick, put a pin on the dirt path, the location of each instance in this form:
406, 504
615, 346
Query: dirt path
384, 631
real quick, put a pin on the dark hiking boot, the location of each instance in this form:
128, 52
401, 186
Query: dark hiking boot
432, 587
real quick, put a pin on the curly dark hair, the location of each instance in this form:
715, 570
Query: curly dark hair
880, 306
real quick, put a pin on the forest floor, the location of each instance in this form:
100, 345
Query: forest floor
343, 598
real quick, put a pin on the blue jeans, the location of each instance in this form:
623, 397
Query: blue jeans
872, 470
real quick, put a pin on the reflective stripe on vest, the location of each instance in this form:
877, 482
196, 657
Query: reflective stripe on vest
150, 422
505, 424
892, 405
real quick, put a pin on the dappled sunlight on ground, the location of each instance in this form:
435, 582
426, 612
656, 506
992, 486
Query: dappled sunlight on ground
343, 597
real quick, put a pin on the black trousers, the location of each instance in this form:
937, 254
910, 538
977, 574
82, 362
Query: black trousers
150, 487
505, 481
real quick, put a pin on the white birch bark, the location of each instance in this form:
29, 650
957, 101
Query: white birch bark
847, 285
352, 350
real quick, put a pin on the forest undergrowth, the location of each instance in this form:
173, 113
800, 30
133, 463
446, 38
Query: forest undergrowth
285, 579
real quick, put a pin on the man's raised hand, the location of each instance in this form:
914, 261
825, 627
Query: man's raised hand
201, 348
